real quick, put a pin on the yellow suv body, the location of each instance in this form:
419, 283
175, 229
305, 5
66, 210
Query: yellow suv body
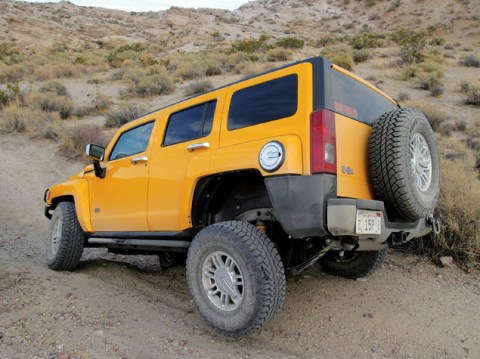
286, 152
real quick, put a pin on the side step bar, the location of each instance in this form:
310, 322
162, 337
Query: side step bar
139, 244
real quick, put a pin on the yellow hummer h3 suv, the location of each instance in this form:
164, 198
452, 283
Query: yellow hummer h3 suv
253, 182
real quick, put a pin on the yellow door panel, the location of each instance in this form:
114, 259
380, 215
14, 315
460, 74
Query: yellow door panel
119, 201
175, 168
352, 158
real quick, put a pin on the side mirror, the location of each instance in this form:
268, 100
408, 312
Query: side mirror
96, 153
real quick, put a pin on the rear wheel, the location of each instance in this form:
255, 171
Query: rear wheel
65, 245
236, 277
353, 265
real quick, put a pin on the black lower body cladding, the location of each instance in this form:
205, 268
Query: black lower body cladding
299, 202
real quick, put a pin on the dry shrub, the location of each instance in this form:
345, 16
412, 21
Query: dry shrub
74, 139
436, 116
124, 114
471, 61
275, 55
457, 208
473, 96
253, 68
35, 122
55, 87
153, 85
198, 87
339, 55
51, 102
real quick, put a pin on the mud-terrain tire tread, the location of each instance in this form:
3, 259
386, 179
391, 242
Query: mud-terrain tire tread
365, 264
389, 167
260, 254
72, 238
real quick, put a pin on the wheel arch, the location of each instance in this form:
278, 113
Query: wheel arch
224, 196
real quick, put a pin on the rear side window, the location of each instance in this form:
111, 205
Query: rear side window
264, 102
189, 124
132, 141
351, 98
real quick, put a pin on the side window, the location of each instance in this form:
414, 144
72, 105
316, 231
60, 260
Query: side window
189, 124
264, 102
132, 141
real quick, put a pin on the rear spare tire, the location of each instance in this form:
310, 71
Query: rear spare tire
404, 165
236, 277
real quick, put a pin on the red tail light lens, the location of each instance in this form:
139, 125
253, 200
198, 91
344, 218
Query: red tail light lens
323, 156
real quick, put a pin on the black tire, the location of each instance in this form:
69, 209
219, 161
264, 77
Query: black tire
170, 259
256, 260
353, 265
393, 170
69, 237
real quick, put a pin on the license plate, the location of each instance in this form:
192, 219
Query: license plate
368, 222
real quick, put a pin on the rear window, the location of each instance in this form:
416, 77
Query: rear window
264, 102
189, 124
351, 98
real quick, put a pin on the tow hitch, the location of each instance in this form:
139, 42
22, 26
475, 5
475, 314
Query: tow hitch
433, 222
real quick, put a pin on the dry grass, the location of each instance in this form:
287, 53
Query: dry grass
458, 208
33, 122
198, 87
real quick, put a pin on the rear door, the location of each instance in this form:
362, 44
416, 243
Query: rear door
181, 156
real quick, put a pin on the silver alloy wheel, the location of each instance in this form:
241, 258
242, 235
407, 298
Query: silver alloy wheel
222, 281
420, 162
56, 236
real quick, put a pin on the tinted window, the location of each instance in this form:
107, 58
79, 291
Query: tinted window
132, 141
264, 102
351, 98
194, 122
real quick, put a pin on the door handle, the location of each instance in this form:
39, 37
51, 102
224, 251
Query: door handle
196, 146
139, 160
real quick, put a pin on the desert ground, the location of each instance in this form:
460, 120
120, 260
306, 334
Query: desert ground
125, 307
117, 306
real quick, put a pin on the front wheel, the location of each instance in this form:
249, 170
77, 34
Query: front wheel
236, 277
65, 245
352, 265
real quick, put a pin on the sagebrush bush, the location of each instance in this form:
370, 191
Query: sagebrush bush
361, 55
473, 96
51, 102
431, 67
74, 139
339, 55
34, 122
412, 45
55, 87
457, 207
198, 87
122, 115
290, 43
250, 46
154, 85
471, 61
365, 40
275, 55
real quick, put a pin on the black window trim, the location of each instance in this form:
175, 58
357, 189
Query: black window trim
128, 130
204, 119
263, 82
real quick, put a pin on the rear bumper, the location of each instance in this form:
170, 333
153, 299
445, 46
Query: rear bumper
307, 206
341, 221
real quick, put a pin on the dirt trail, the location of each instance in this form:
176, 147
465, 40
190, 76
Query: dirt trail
124, 307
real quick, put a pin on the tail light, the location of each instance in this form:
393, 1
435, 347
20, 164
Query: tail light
323, 157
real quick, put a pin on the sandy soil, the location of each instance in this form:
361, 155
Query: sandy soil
125, 307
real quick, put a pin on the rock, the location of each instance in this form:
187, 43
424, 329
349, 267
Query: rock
446, 261
362, 279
